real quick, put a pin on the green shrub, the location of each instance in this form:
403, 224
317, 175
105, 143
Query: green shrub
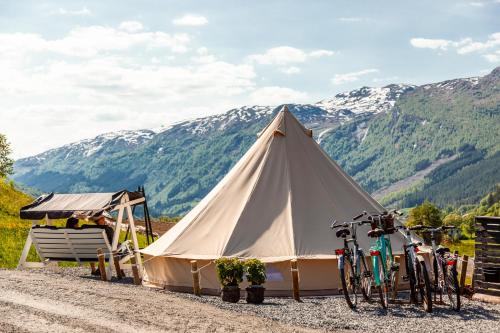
229, 271
255, 271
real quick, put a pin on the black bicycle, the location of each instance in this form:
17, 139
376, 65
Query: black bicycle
444, 265
416, 271
355, 275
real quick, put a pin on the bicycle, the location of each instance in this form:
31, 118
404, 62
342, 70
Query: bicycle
445, 268
385, 269
354, 272
416, 271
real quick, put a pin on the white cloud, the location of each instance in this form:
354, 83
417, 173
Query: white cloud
352, 77
487, 49
97, 79
78, 12
290, 70
285, 55
321, 53
277, 95
89, 41
190, 20
354, 19
427, 43
131, 26
493, 57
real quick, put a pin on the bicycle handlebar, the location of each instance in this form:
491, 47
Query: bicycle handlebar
346, 224
426, 227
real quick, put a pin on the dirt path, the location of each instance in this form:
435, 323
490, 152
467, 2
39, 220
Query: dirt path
43, 301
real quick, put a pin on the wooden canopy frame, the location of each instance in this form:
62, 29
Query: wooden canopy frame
124, 208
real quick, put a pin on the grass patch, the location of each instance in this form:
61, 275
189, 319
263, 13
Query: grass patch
464, 247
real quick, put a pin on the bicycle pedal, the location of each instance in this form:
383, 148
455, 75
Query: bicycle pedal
405, 278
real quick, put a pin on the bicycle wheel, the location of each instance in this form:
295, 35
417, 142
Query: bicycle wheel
452, 288
383, 289
366, 280
410, 272
348, 282
424, 285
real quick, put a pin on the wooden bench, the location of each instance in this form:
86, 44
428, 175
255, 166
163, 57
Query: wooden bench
65, 244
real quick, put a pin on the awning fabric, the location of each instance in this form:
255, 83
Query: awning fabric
60, 206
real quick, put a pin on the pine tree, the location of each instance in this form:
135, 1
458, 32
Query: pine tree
6, 163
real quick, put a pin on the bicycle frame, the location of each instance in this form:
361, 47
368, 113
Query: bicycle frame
441, 261
383, 247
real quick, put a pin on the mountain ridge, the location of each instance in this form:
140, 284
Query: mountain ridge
180, 163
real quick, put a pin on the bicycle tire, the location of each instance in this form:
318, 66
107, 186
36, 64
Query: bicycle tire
452, 287
348, 285
366, 280
383, 289
410, 272
424, 285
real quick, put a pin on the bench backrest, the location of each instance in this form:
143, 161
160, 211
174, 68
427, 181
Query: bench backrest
70, 244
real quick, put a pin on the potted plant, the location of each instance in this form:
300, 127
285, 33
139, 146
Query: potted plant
230, 275
256, 276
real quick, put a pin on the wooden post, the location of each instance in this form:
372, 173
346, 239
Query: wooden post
196, 278
397, 259
295, 279
135, 271
116, 261
102, 267
463, 271
133, 233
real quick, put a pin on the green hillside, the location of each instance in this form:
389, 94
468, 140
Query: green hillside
450, 127
13, 230
453, 118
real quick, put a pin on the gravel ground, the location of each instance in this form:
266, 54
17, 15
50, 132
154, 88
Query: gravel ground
332, 314
71, 301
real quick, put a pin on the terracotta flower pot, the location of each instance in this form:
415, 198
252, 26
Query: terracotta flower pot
255, 294
230, 294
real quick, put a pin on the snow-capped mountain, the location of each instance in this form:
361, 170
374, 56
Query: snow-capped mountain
179, 163
365, 100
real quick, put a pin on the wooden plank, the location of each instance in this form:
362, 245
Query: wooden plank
491, 226
492, 261
68, 230
74, 241
295, 279
488, 285
486, 242
73, 236
463, 271
68, 251
65, 246
65, 255
491, 292
102, 267
486, 298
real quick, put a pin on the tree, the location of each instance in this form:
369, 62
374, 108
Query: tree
453, 219
425, 214
6, 163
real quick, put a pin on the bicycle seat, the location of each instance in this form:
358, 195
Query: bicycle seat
375, 233
343, 233
442, 250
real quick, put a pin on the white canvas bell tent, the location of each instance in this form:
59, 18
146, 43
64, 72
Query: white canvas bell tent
276, 204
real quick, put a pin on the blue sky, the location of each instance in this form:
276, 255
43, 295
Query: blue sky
75, 69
